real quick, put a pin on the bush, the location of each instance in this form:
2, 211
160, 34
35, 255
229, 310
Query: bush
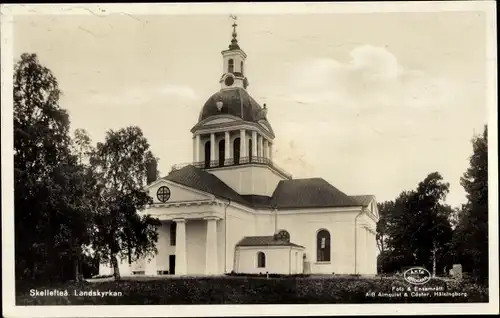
271, 275
251, 289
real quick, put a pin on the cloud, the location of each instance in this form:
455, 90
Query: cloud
372, 124
140, 96
372, 77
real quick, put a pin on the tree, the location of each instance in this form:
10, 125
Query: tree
398, 230
471, 235
384, 209
122, 162
49, 224
415, 227
434, 234
87, 195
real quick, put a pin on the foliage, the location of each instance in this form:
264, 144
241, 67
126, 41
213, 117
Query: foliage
121, 163
384, 210
50, 222
418, 228
74, 203
471, 235
415, 229
254, 290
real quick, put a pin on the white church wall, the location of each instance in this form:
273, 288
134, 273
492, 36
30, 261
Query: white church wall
126, 269
196, 231
372, 250
141, 267
177, 193
367, 246
279, 260
374, 256
105, 269
164, 247
240, 224
221, 248
249, 179
303, 227
237, 58
264, 223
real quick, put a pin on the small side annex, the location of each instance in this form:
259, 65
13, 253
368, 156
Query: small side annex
273, 254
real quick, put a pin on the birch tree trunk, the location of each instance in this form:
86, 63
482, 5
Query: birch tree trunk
77, 270
434, 265
116, 269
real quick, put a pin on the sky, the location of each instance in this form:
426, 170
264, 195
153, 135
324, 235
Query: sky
372, 103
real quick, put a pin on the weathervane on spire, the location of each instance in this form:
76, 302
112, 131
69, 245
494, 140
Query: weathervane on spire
234, 41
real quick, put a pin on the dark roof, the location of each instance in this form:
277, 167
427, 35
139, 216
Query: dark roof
289, 194
234, 43
310, 193
198, 179
363, 199
236, 102
264, 241
258, 201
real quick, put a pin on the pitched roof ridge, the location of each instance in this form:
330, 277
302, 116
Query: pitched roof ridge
362, 195
205, 182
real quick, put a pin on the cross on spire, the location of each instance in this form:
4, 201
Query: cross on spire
234, 42
234, 23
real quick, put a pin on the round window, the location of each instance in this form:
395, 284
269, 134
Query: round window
163, 194
229, 81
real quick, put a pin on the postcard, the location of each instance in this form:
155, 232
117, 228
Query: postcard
249, 159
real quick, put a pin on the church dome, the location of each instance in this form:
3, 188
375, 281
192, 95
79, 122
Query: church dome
236, 102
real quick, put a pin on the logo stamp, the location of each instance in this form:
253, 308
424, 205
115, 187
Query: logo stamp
417, 276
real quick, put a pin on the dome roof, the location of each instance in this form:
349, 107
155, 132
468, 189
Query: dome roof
236, 102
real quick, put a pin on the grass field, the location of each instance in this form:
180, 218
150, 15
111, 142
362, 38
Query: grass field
254, 290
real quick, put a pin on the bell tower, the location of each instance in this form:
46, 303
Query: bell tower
233, 72
233, 139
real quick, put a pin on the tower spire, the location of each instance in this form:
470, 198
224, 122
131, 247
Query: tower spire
234, 42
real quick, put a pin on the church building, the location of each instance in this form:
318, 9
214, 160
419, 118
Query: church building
232, 209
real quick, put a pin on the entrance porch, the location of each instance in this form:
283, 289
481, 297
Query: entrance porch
188, 246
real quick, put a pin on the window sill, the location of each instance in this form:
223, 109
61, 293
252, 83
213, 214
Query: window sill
322, 263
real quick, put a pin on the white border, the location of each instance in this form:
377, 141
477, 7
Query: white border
244, 9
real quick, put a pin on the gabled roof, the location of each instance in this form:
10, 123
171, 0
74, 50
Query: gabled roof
264, 241
310, 193
289, 194
199, 179
363, 199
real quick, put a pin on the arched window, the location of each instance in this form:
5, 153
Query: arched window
207, 154
323, 246
250, 150
173, 233
230, 66
236, 151
222, 152
261, 260
241, 67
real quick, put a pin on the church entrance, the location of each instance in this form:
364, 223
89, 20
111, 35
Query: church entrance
171, 264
